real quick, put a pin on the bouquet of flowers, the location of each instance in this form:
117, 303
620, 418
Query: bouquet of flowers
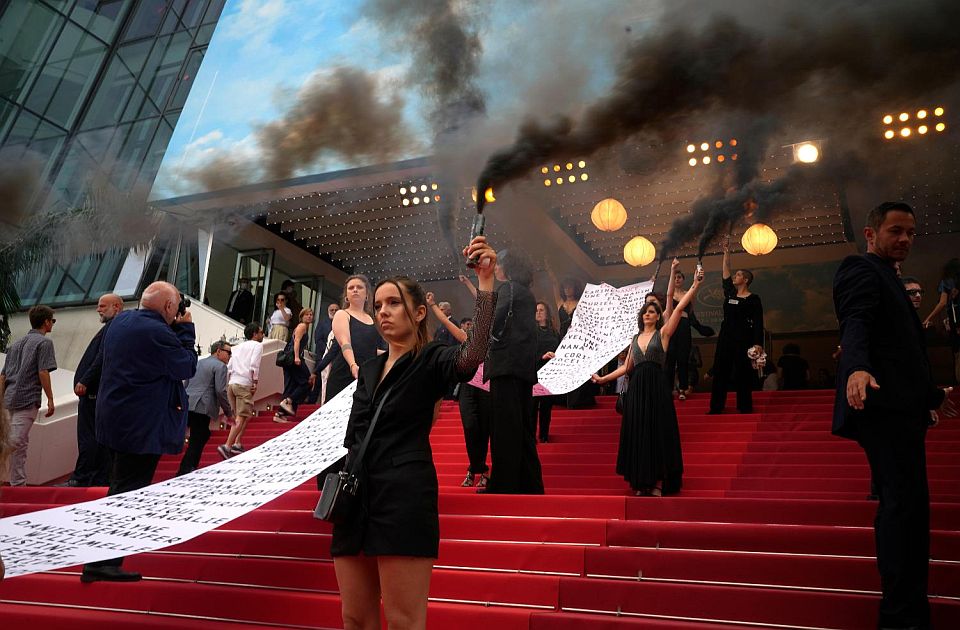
758, 358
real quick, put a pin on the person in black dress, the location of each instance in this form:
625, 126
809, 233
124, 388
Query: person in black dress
567, 294
511, 369
678, 357
547, 342
389, 546
357, 337
742, 328
296, 377
649, 456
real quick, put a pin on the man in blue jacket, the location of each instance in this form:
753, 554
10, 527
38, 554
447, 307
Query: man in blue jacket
142, 404
885, 392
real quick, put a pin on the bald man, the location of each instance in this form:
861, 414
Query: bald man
93, 461
142, 404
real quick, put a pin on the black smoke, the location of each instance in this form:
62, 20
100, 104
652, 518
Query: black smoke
821, 66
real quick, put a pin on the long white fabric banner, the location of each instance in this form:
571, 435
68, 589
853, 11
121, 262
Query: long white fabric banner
179, 509
183, 508
603, 324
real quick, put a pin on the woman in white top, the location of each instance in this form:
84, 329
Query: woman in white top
280, 320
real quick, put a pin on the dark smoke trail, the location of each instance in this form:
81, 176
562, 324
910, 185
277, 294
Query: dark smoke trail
838, 57
343, 115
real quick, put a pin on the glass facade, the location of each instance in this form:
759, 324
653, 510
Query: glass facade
95, 86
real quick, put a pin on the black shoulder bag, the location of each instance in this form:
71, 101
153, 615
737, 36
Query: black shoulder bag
338, 499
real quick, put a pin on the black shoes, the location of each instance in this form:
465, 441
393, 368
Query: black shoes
108, 574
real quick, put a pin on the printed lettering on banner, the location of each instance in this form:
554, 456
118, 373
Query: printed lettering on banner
179, 509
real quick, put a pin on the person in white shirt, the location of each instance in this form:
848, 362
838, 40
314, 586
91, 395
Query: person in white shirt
244, 374
280, 319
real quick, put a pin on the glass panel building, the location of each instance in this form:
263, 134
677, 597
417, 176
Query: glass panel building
95, 86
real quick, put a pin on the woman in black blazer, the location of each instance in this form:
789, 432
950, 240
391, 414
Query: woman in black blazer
511, 369
388, 548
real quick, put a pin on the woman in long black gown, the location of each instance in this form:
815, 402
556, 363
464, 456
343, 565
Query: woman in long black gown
388, 547
568, 294
649, 456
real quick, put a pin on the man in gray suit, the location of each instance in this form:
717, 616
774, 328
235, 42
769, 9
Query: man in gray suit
207, 392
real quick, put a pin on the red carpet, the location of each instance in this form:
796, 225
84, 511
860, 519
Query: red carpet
772, 529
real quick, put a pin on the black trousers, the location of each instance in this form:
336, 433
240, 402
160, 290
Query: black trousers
131, 471
678, 355
475, 415
296, 383
540, 414
199, 435
93, 459
732, 364
513, 447
896, 451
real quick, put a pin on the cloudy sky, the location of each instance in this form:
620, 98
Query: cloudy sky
265, 51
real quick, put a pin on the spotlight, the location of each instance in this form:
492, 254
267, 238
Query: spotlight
720, 158
706, 159
940, 127
416, 201
938, 111
733, 157
922, 129
584, 177
403, 190
691, 148
733, 142
704, 146
904, 117
423, 188
433, 186
544, 170
569, 166
806, 152
692, 162
888, 134
556, 168
922, 114
406, 202
426, 200
559, 181
718, 144
547, 182
582, 164
905, 132
887, 119
436, 197
572, 179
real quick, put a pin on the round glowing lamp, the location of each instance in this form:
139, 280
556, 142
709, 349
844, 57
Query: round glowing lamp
609, 215
808, 153
639, 252
759, 239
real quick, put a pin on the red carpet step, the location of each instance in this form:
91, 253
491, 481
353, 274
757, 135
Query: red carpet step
772, 529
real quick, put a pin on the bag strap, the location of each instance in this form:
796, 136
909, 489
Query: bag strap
506, 321
355, 464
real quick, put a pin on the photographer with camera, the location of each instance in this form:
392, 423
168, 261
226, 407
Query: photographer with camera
142, 403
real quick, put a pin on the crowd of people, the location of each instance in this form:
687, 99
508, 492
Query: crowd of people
379, 337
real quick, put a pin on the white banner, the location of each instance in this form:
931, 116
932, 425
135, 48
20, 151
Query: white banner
477, 381
603, 324
179, 509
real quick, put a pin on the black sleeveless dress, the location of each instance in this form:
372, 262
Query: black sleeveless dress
365, 341
649, 435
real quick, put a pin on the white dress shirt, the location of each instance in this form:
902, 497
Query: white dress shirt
244, 366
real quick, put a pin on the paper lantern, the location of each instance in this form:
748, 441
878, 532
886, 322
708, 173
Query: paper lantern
639, 252
609, 215
759, 239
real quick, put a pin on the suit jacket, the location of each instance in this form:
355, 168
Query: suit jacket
320, 334
142, 404
242, 306
880, 333
513, 337
207, 390
91, 364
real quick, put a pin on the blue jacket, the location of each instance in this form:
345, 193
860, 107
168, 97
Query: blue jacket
142, 404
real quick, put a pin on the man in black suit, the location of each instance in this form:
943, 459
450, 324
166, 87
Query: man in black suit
93, 460
240, 303
885, 392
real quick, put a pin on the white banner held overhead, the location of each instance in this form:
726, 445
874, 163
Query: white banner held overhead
177, 510
603, 325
